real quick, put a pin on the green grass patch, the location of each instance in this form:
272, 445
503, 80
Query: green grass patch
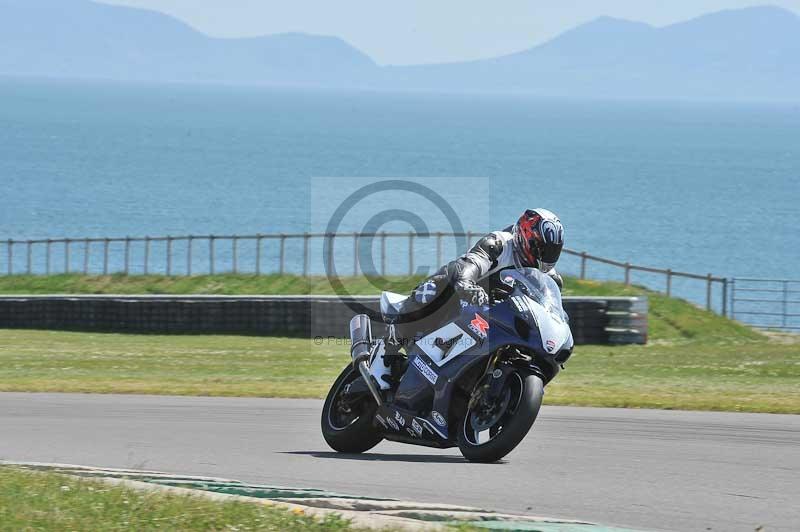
670, 319
33, 500
224, 284
695, 359
718, 374
176, 365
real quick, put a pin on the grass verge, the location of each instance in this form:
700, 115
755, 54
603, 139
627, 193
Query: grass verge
32, 500
670, 319
695, 359
222, 284
736, 375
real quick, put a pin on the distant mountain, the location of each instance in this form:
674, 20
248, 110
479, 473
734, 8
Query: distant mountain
739, 54
78, 39
743, 54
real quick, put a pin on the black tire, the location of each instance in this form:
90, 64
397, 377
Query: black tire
522, 412
345, 435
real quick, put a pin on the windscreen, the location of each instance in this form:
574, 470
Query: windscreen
541, 288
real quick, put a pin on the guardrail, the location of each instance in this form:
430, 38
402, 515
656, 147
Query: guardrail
298, 253
65, 250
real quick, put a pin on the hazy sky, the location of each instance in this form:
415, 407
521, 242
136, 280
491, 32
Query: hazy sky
427, 31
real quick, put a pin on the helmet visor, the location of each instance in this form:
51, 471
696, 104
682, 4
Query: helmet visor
549, 256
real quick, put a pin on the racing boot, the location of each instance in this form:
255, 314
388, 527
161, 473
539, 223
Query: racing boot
383, 362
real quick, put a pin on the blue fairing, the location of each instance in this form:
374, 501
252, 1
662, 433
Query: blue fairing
505, 324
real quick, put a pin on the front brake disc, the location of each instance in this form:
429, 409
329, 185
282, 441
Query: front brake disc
495, 412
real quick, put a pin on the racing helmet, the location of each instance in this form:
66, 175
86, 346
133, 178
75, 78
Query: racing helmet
538, 239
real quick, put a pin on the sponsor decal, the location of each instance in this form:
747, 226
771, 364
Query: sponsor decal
392, 423
411, 433
426, 371
519, 304
464, 304
417, 427
551, 345
479, 326
437, 417
400, 419
380, 420
507, 279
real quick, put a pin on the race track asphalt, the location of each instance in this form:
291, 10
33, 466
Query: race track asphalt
652, 470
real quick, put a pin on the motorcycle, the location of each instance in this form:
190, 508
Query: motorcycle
476, 382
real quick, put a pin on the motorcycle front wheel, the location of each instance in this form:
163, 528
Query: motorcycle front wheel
347, 425
489, 432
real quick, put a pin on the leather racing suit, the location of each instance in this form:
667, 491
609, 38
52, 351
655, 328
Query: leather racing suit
471, 277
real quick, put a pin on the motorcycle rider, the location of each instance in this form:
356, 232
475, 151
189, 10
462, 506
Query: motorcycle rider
535, 241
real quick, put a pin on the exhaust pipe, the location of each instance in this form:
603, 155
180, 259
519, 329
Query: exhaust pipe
361, 350
364, 370
360, 338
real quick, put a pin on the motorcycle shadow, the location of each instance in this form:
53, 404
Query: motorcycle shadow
382, 457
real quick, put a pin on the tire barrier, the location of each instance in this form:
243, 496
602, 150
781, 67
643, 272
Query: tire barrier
594, 320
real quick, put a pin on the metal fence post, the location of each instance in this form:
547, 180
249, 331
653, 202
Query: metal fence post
106, 242
306, 238
383, 253
583, 265
627, 274
211, 254
329, 256
169, 256
258, 253
725, 296
189, 240
126, 267
355, 254
785, 302
86, 256
146, 255
235, 250
29, 255
10, 256
438, 249
66, 255
669, 282
733, 298
708, 292
282, 259
411, 253
47, 257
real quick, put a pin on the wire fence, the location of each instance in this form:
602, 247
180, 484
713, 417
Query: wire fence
711, 283
309, 254
766, 303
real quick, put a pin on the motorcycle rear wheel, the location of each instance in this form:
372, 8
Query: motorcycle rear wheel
349, 432
523, 398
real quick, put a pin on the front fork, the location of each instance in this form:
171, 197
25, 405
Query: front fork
494, 380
